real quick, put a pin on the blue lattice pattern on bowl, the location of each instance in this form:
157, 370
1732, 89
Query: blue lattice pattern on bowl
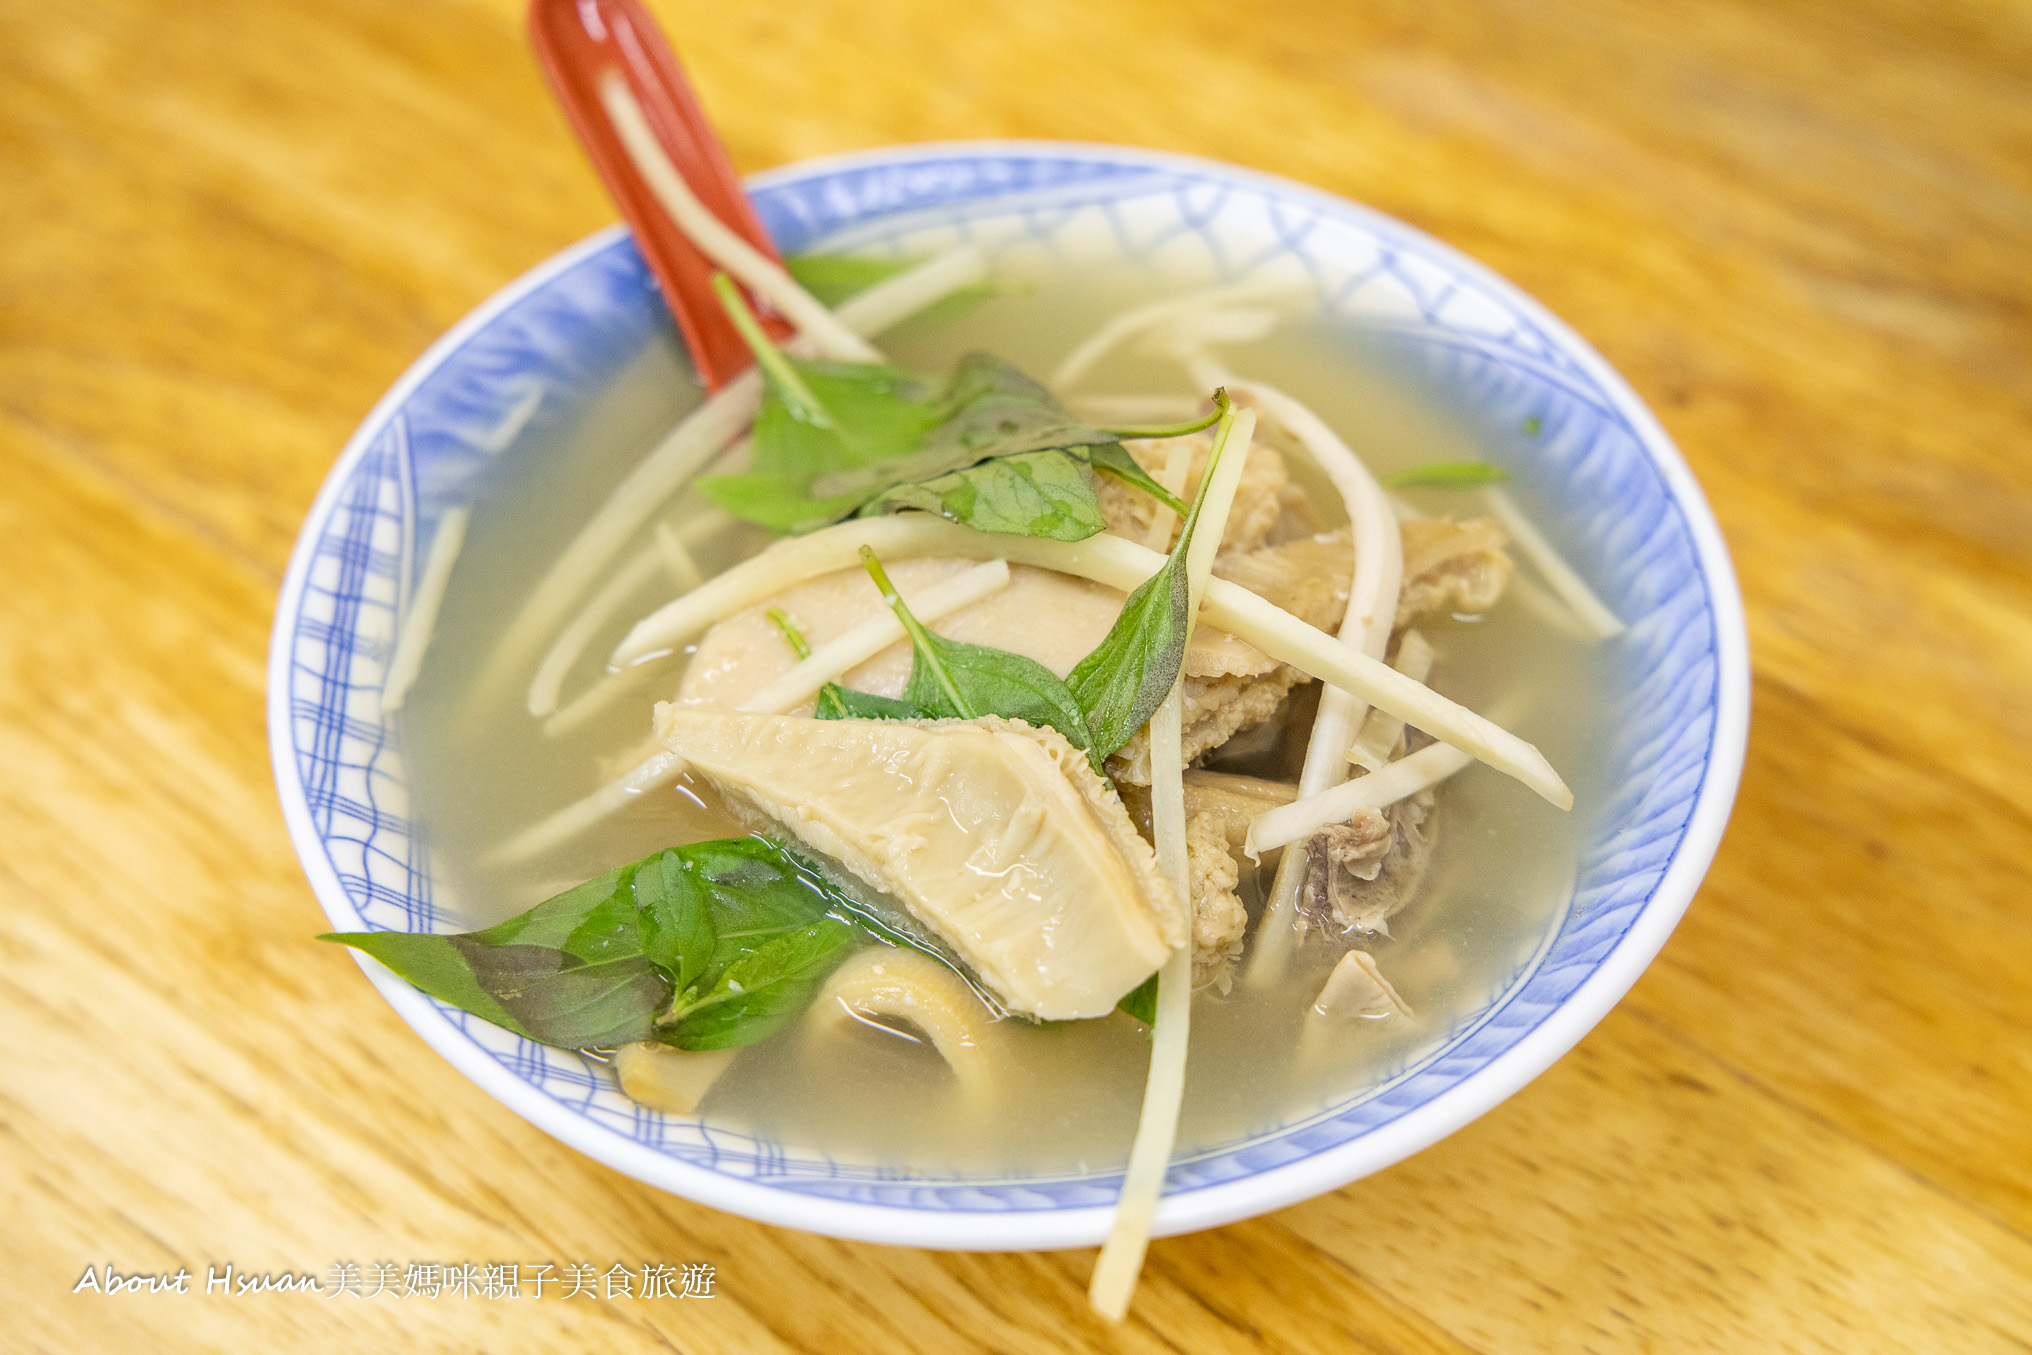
1609, 485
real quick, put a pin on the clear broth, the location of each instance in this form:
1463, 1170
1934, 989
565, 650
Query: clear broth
1502, 871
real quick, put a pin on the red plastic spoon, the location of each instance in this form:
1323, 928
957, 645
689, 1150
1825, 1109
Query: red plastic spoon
578, 41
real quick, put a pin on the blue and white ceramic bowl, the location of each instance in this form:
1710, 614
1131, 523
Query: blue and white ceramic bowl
1614, 491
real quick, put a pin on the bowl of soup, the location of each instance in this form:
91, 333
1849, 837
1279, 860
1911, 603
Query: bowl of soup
452, 753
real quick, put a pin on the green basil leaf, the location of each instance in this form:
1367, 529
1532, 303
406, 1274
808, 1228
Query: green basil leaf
1112, 458
437, 966
993, 408
539, 992
612, 930
757, 888
777, 500
556, 920
1141, 1002
869, 413
844, 703
832, 278
599, 963
824, 416
1446, 475
677, 916
878, 412
952, 306
951, 680
992, 682
994, 450
990, 409
761, 895
1125, 679
872, 414
756, 994
573, 1006
1045, 494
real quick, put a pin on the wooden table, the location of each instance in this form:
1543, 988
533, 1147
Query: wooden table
1802, 231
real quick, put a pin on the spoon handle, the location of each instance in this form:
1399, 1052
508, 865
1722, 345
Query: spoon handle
577, 42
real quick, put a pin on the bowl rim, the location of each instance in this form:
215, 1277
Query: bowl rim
1202, 1207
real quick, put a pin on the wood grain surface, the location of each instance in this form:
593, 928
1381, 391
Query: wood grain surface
1802, 230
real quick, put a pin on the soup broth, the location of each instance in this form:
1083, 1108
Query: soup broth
482, 769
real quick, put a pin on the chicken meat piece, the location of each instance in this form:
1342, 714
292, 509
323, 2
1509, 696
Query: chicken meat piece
1448, 567
1309, 579
1452, 567
1132, 514
1308, 576
1233, 802
996, 836
1215, 710
1357, 846
1218, 810
1230, 802
1357, 991
1362, 873
1218, 918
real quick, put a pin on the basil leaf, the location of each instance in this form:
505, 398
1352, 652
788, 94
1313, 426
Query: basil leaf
1112, 458
844, 703
848, 415
573, 1006
1125, 679
539, 992
1045, 494
992, 682
435, 965
994, 450
834, 701
777, 919
990, 409
951, 680
872, 414
1141, 1002
763, 895
1006, 458
832, 278
600, 963
1446, 475
816, 418
677, 916
584, 911
611, 930
952, 306
777, 500
756, 994
877, 412
758, 889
